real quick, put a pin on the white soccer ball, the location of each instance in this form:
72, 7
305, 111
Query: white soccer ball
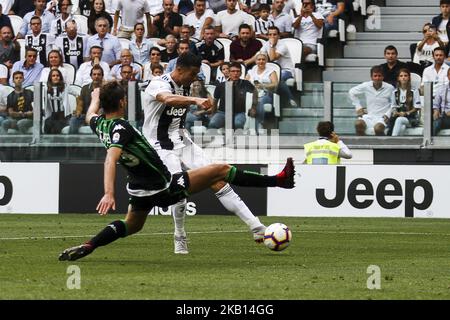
277, 237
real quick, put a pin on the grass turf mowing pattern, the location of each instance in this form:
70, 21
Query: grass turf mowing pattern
327, 259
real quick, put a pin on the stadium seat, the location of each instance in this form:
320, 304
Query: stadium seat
295, 47
16, 22
155, 43
261, 40
4, 69
22, 48
70, 72
210, 88
125, 43
82, 23
226, 47
416, 80
206, 69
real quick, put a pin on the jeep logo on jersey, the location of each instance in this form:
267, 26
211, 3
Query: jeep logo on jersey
176, 112
360, 187
7, 192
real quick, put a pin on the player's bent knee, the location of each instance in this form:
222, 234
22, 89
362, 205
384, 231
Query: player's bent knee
218, 186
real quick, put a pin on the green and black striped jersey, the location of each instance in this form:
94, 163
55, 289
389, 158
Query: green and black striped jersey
145, 169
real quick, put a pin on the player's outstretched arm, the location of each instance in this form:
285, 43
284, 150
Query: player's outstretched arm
174, 100
94, 106
108, 202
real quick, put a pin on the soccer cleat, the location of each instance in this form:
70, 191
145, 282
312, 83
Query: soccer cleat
180, 244
285, 179
75, 253
258, 234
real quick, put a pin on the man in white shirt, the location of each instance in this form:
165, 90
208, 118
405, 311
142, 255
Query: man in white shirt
110, 44
308, 27
378, 98
132, 12
437, 72
278, 52
200, 18
83, 76
281, 19
228, 21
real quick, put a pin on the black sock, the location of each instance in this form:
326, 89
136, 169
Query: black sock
113, 231
250, 179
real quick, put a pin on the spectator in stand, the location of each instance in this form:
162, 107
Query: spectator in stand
73, 46
55, 61
185, 33
110, 44
224, 73
9, 49
21, 8
126, 59
157, 70
211, 50
437, 72
442, 21
183, 47
139, 46
155, 59
200, 18
83, 76
263, 23
425, 47
40, 11
279, 53
392, 65
19, 105
196, 114
265, 82
85, 7
441, 107
98, 11
330, 10
4, 19
244, 48
30, 68
308, 27
281, 19
405, 105
84, 100
132, 12
240, 90
228, 21
42, 42
171, 49
58, 26
167, 22
57, 109
378, 96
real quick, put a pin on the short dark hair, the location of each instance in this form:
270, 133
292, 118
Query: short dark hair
235, 64
137, 24
157, 66
16, 73
376, 69
444, 2
27, 49
95, 47
325, 128
110, 95
188, 59
273, 28
35, 18
439, 49
390, 47
185, 41
155, 49
97, 67
244, 26
264, 6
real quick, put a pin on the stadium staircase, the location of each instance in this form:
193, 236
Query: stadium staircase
400, 25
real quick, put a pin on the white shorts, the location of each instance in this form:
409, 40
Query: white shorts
191, 156
371, 121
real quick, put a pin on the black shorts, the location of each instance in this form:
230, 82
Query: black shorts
177, 190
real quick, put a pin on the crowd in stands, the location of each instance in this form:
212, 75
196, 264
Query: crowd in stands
67, 43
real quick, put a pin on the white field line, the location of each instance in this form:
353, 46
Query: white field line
238, 231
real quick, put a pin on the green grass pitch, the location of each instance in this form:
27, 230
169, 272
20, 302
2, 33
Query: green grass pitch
328, 259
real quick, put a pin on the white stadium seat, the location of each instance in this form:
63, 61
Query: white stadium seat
16, 22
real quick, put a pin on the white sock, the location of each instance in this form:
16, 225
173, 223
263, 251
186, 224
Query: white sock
178, 213
233, 203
